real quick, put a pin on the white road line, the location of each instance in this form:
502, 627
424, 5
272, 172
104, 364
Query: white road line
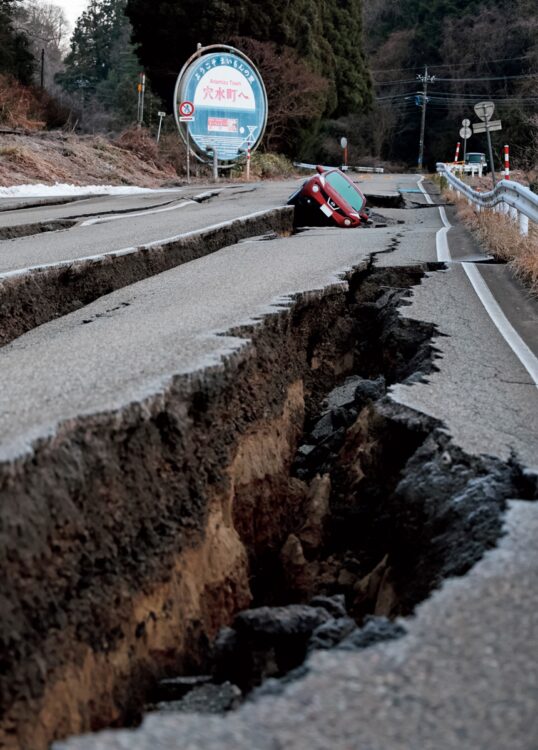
117, 217
441, 240
506, 329
527, 358
427, 195
131, 250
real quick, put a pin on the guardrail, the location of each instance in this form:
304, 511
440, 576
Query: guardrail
374, 170
508, 196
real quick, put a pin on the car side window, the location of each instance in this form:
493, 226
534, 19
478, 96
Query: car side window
346, 189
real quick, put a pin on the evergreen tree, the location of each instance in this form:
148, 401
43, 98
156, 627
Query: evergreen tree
15, 56
103, 66
90, 60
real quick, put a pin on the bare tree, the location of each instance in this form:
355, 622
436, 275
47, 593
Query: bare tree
296, 94
46, 27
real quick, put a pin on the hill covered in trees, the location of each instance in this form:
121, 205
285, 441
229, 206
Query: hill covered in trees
332, 68
475, 49
321, 38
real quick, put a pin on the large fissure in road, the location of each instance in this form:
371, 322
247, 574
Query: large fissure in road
282, 496
33, 296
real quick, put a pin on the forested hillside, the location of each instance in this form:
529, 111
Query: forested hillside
476, 50
332, 69
283, 36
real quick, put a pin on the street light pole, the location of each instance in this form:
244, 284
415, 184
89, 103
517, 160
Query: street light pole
425, 79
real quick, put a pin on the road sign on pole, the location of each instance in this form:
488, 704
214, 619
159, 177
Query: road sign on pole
484, 110
161, 116
229, 96
186, 109
343, 144
465, 133
186, 114
491, 125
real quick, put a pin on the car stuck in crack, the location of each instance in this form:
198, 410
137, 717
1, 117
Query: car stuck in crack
329, 198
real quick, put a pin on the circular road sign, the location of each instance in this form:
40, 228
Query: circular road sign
343, 142
186, 109
465, 133
484, 110
466, 123
230, 100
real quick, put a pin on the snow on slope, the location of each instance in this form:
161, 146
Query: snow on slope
51, 191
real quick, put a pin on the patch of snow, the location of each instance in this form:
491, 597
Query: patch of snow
48, 191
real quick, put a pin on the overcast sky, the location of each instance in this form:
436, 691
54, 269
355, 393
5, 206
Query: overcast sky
72, 9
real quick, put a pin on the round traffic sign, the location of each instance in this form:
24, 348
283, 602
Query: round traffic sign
465, 133
229, 96
186, 109
343, 142
466, 123
484, 110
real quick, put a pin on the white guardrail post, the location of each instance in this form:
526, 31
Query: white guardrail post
508, 196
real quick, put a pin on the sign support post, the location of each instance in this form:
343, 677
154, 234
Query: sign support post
161, 116
215, 166
493, 177
343, 145
141, 98
466, 134
485, 110
188, 156
186, 115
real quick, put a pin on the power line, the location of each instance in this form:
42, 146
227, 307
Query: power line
390, 83
459, 80
492, 78
450, 65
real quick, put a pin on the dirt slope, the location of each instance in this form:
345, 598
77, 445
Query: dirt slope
133, 158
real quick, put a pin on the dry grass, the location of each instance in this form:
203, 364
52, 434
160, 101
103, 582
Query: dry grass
59, 157
19, 105
499, 235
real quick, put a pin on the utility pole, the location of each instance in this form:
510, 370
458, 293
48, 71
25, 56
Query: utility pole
42, 68
425, 79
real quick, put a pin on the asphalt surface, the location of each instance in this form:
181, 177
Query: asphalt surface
465, 675
126, 226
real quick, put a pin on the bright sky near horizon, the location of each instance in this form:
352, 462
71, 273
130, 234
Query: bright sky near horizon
72, 9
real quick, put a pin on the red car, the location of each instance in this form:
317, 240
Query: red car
329, 197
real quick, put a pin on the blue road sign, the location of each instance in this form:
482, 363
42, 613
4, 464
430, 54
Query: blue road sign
230, 101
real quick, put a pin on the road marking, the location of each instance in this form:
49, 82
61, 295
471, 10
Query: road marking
423, 191
527, 358
117, 217
506, 329
441, 240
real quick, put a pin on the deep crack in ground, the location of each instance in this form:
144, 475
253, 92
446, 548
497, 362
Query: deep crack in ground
282, 496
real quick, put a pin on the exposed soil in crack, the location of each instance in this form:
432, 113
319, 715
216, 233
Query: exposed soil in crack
28, 230
385, 201
33, 297
282, 496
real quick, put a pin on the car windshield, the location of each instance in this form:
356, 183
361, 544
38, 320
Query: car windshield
346, 189
474, 158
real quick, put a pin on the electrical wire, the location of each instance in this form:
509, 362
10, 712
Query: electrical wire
493, 78
450, 65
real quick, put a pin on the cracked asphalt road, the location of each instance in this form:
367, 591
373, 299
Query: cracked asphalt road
466, 673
